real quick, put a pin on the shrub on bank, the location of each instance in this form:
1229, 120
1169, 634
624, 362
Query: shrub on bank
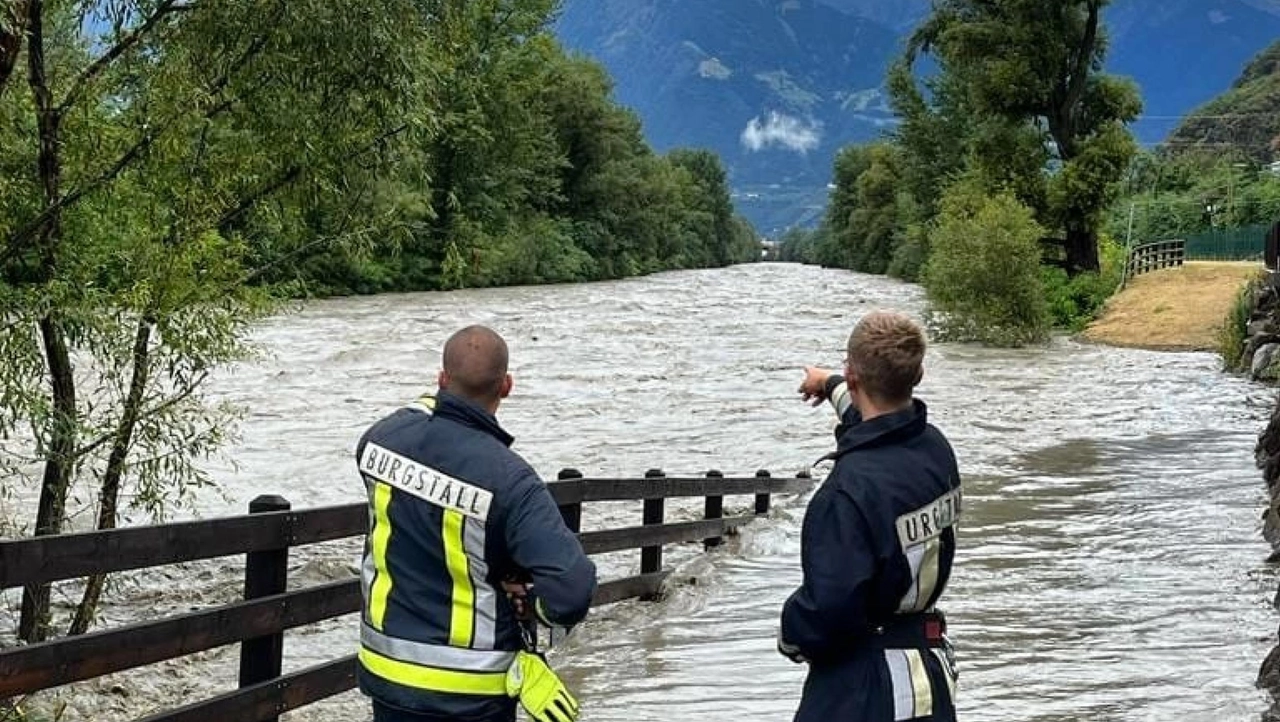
1234, 333
983, 275
1074, 302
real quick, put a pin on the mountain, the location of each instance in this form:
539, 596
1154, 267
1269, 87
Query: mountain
776, 87
1185, 52
1246, 116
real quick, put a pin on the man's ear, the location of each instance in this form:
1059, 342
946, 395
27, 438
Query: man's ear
442, 379
507, 384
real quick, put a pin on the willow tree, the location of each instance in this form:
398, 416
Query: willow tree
148, 148
1038, 65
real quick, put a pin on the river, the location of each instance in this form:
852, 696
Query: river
1110, 563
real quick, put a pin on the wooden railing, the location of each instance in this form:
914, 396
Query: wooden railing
1154, 256
259, 621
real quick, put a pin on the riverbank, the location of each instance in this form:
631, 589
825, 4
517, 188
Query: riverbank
1175, 309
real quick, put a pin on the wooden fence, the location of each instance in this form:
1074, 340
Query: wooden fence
258, 622
1154, 256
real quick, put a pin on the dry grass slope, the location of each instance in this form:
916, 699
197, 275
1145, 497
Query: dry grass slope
1176, 309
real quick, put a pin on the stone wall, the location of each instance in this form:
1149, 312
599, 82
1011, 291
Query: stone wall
1268, 457
1261, 356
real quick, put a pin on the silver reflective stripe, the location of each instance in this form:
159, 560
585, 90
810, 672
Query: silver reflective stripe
367, 568
904, 697
486, 598
912, 690
915, 555
436, 655
841, 401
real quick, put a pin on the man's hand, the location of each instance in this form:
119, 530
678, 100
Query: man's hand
813, 389
518, 595
790, 651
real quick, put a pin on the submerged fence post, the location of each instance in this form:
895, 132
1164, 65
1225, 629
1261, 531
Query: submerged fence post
265, 573
762, 500
571, 513
714, 509
651, 557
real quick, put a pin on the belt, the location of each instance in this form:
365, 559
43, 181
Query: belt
910, 631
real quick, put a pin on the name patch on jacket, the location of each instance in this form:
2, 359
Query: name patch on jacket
424, 482
929, 521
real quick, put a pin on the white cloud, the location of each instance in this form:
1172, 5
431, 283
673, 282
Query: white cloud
783, 131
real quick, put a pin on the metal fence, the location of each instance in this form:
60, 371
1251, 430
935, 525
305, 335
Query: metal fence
1246, 243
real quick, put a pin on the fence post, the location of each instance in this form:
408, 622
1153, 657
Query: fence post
714, 509
265, 573
762, 500
571, 513
651, 557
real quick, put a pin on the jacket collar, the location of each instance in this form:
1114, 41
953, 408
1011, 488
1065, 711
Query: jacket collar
881, 430
468, 413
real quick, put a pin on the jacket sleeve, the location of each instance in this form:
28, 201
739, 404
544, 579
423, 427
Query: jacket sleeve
562, 577
837, 390
829, 610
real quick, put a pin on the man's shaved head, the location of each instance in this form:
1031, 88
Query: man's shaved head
475, 365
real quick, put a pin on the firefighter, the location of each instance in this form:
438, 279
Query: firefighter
877, 543
464, 542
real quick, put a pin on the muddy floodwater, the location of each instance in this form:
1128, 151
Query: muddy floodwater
1110, 565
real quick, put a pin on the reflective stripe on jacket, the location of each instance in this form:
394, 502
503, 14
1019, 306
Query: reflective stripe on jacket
453, 512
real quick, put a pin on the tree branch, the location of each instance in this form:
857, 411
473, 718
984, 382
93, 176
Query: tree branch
1080, 73
183, 395
17, 239
13, 26
131, 39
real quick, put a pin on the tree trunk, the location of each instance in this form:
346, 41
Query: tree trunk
110, 490
51, 512
1082, 251
62, 431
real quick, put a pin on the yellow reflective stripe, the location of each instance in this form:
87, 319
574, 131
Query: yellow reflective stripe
381, 587
463, 609
921, 689
433, 678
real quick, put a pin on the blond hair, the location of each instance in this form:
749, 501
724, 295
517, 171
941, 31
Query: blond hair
885, 352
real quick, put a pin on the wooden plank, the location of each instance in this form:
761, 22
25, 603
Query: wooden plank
62, 661
69, 556
645, 585
580, 490
612, 540
269, 699
313, 684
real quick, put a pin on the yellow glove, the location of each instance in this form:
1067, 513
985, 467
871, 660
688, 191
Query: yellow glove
541, 692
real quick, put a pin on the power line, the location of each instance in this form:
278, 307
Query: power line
1205, 116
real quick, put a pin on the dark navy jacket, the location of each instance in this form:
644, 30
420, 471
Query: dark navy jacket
877, 547
454, 512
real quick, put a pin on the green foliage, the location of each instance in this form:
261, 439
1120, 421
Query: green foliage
800, 245
1075, 301
864, 214
164, 183
1180, 193
983, 276
1234, 332
910, 253
1045, 121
